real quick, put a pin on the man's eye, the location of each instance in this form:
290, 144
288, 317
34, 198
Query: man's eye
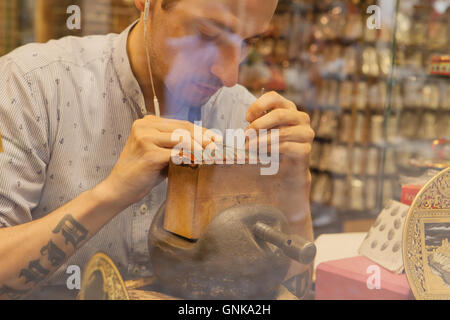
245, 45
245, 49
209, 37
251, 41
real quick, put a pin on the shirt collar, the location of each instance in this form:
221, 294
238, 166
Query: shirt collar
121, 63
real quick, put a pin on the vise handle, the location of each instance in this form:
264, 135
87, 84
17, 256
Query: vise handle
294, 246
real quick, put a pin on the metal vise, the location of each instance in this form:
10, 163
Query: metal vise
220, 236
243, 254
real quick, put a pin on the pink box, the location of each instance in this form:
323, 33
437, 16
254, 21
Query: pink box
346, 279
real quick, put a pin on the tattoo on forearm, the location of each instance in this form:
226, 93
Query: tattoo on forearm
11, 293
72, 231
54, 254
35, 272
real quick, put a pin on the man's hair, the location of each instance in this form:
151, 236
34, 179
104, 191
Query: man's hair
167, 4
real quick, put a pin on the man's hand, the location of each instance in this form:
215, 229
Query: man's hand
146, 154
272, 111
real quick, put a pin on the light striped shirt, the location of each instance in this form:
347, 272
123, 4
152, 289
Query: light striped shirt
66, 110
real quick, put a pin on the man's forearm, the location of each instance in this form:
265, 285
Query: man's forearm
31, 252
295, 194
295, 202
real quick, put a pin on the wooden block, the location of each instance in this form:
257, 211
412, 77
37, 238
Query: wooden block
180, 205
197, 194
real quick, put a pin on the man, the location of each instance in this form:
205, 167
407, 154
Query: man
84, 157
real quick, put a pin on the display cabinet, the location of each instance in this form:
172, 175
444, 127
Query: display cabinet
380, 118
9, 25
97, 17
24, 21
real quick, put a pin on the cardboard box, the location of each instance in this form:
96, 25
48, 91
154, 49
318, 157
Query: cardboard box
335, 246
358, 278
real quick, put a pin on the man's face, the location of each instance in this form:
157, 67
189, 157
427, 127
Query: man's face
197, 45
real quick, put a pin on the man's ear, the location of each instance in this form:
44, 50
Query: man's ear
140, 4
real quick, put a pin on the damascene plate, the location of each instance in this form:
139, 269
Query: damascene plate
102, 281
426, 240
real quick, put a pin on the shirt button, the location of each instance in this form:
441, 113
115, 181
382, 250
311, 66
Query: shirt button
143, 209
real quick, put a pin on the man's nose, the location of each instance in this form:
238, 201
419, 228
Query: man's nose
226, 67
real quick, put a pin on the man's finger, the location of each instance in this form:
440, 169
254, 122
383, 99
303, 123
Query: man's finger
276, 118
298, 134
201, 135
266, 103
191, 151
166, 140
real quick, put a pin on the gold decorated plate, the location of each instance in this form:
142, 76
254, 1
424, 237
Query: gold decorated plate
426, 240
102, 281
